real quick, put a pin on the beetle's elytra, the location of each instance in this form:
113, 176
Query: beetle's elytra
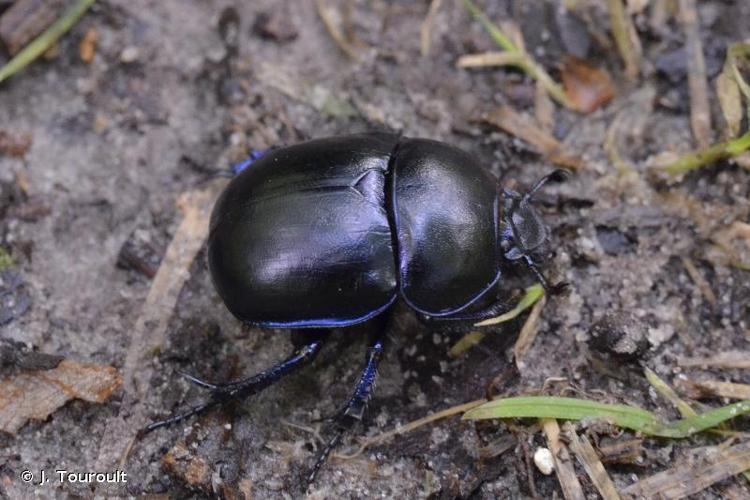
331, 232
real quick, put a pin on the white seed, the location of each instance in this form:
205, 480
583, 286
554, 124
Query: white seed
544, 461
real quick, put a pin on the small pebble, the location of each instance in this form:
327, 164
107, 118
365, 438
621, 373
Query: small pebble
129, 54
544, 461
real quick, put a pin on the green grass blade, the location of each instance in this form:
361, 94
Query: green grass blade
44, 41
494, 32
708, 420
563, 408
532, 295
625, 416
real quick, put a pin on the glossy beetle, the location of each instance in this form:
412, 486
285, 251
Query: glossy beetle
330, 232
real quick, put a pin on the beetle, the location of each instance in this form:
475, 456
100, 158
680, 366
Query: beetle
329, 233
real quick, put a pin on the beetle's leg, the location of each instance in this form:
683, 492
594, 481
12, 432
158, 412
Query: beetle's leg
305, 351
548, 288
354, 409
494, 309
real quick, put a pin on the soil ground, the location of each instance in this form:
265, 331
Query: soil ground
165, 102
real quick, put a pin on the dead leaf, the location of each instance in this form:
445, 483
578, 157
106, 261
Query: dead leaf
730, 101
587, 86
35, 395
528, 130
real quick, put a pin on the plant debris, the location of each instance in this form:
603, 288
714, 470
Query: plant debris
25, 19
587, 87
517, 56
35, 395
532, 294
566, 474
708, 156
585, 453
625, 37
337, 34
728, 360
150, 328
46, 40
625, 416
425, 32
514, 123
714, 388
528, 332
684, 480
700, 112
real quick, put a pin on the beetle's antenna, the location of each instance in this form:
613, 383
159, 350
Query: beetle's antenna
558, 175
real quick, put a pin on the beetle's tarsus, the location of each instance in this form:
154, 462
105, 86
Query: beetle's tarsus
199, 382
559, 288
323, 455
222, 393
549, 289
178, 417
354, 409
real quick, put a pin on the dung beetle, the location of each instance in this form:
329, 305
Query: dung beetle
331, 232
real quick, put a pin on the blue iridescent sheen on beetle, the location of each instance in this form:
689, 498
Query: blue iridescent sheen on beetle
331, 232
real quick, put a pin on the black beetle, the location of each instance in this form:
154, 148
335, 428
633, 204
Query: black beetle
329, 233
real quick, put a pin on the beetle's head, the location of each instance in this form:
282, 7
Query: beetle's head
524, 234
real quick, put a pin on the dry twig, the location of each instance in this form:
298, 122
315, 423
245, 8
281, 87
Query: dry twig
700, 281
569, 483
684, 480
403, 429
713, 388
524, 128
425, 32
586, 454
150, 329
731, 359
700, 113
626, 38
333, 30
528, 333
